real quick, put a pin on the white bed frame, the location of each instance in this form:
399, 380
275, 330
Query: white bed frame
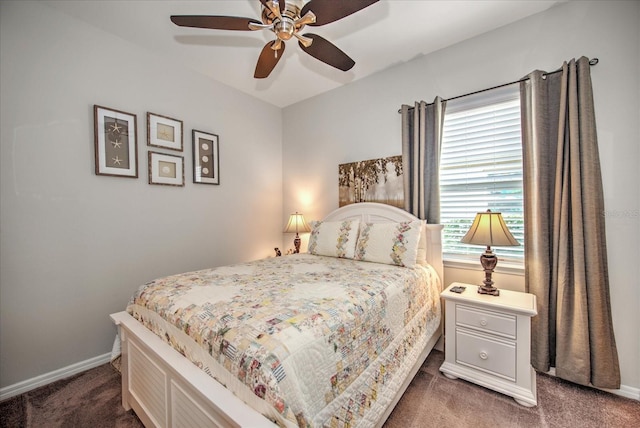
165, 389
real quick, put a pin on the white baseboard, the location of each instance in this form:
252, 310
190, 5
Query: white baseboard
65, 372
624, 391
47, 378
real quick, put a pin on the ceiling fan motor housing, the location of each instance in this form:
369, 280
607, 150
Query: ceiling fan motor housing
284, 28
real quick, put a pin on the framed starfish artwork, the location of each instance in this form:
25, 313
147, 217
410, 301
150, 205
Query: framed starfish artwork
116, 142
164, 132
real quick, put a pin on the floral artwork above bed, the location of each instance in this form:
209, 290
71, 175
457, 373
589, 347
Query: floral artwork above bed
375, 180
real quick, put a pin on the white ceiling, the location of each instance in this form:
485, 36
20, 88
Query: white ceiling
385, 34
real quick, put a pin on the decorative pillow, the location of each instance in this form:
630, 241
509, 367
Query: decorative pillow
334, 238
390, 243
421, 258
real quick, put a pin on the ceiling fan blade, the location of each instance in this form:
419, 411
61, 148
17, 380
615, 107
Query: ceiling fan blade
327, 52
268, 60
214, 22
327, 11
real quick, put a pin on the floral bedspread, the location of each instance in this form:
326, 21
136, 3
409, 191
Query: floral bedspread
309, 340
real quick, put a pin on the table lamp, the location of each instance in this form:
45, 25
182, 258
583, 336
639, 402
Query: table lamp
489, 229
297, 224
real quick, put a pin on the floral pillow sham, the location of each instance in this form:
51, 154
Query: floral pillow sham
334, 238
390, 243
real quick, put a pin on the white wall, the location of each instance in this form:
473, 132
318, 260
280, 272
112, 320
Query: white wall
75, 246
360, 121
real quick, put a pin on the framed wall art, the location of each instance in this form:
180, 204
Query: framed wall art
206, 162
374, 180
166, 169
164, 132
116, 143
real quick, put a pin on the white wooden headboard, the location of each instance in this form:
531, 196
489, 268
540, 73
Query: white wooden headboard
372, 212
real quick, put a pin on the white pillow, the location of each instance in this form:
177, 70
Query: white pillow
389, 243
421, 258
334, 238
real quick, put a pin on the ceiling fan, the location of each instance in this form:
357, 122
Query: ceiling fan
286, 18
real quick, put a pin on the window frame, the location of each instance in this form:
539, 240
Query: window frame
512, 265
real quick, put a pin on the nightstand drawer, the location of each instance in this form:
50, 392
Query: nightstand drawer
485, 353
493, 322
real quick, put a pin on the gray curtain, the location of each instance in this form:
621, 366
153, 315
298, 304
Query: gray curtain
565, 244
421, 141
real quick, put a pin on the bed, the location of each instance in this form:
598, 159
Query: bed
332, 337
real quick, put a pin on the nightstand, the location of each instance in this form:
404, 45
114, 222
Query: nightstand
488, 341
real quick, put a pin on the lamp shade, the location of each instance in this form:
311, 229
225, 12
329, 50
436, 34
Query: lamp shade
297, 224
489, 229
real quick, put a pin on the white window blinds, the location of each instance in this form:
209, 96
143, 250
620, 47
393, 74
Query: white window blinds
481, 168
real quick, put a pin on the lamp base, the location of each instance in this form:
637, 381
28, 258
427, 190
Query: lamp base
488, 260
296, 243
493, 291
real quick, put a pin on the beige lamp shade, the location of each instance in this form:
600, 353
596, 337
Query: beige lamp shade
297, 224
489, 229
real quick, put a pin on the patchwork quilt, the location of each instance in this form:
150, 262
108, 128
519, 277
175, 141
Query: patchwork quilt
307, 340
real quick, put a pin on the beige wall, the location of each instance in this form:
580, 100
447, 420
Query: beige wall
74, 246
360, 121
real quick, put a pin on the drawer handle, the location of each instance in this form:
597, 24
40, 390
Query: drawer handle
483, 355
483, 322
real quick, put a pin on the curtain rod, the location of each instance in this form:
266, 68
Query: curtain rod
592, 62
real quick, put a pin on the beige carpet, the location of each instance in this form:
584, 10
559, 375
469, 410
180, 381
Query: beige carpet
92, 399
89, 399
432, 400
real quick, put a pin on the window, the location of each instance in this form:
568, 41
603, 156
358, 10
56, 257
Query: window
481, 168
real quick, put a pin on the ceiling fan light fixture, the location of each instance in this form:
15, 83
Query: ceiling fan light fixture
272, 14
285, 28
274, 7
307, 19
305, 41
277, 45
